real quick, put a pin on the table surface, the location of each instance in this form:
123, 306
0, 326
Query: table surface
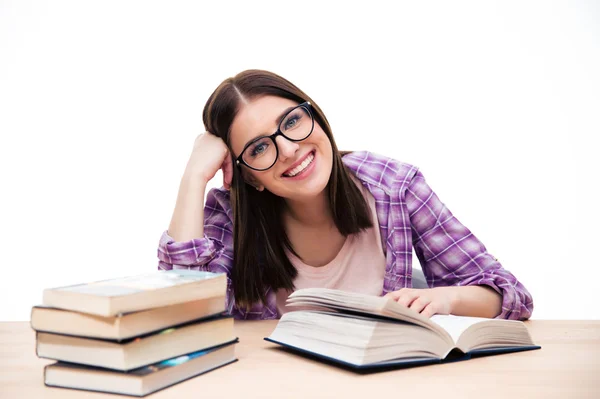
567, 366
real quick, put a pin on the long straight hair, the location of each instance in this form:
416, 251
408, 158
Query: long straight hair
259, 237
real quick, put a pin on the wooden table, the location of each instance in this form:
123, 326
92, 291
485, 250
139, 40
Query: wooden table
567, 366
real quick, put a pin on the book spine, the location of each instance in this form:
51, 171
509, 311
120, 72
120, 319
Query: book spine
31, 318
36, 345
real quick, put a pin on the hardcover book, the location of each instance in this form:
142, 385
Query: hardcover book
125, 325
369, 332
139, 351
129, 294
141, 381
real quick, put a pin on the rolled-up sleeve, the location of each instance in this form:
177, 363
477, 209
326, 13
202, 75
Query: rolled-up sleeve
213, 252
451, 255
194, 253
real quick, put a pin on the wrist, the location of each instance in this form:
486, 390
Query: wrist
195, 178
455, 299
454, 296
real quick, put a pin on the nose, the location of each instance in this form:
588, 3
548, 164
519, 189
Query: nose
286, 147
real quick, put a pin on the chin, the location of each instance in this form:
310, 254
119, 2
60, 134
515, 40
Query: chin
309, 189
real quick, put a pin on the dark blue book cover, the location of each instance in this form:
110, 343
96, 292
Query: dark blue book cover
455, 355
140, 373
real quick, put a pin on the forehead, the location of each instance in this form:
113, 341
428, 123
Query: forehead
257, 118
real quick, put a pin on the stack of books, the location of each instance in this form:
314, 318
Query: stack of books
369, 333
134, 335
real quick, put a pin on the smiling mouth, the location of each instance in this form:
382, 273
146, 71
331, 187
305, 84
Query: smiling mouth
303, 165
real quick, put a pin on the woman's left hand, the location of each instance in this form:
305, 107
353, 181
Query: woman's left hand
427, 301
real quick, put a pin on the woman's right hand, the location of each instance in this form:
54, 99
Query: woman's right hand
210, 154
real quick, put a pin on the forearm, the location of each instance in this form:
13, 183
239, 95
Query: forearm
188, 217
476, 300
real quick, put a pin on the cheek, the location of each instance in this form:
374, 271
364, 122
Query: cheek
325, 146
323, 141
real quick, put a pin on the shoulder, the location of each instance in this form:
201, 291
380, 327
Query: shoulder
378, 170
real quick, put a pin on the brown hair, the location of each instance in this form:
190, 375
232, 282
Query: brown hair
259, 260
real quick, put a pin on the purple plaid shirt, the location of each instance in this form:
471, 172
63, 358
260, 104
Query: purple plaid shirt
410, 215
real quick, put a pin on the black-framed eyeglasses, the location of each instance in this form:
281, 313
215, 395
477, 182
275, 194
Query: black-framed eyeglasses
262, 152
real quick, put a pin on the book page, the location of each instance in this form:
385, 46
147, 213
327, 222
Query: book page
456, 325
352, 301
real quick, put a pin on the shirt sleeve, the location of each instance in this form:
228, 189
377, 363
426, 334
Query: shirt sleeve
451, 255
213, 252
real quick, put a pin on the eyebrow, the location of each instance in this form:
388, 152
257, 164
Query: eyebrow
277, 121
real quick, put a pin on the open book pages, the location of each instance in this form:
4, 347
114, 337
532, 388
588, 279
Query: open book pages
361, 329
337, 300
469, 333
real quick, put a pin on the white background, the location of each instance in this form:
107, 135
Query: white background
497, 103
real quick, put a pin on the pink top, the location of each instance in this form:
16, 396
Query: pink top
359, 266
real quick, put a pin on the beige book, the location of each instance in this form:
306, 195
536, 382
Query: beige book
141, 381
130, 294
123, 326
139, 351
363, 331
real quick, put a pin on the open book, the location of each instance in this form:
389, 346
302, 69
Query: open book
364, 331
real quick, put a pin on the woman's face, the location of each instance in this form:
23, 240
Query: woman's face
261, 117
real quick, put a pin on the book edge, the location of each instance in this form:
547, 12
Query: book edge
356, 367
61, 363
498, 351
126, 277
233, 341
148, 393
206, 319
455, 356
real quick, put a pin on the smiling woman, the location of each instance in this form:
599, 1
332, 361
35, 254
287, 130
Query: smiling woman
295, 212
291, 194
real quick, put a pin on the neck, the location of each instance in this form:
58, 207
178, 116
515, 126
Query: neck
313, 212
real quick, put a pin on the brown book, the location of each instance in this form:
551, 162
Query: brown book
123, 326
130, 294
139, 351
141, 381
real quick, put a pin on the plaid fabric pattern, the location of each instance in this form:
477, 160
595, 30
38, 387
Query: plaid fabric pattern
410, 215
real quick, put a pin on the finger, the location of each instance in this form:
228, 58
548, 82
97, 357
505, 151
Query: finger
395, 294
408, 296
391, 295
420, 303
429, 310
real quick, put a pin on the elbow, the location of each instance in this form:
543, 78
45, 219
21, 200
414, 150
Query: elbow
164, 265
518, 306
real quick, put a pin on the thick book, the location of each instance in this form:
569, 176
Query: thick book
135, 293
369, 332
140, 351
141, 381
126, 325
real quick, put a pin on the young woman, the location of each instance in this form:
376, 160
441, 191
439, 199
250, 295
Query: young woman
294, 212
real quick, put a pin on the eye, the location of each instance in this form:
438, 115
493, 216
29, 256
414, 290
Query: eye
292, 121
259, 149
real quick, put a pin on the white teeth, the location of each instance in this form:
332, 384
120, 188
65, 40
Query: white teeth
301, 167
